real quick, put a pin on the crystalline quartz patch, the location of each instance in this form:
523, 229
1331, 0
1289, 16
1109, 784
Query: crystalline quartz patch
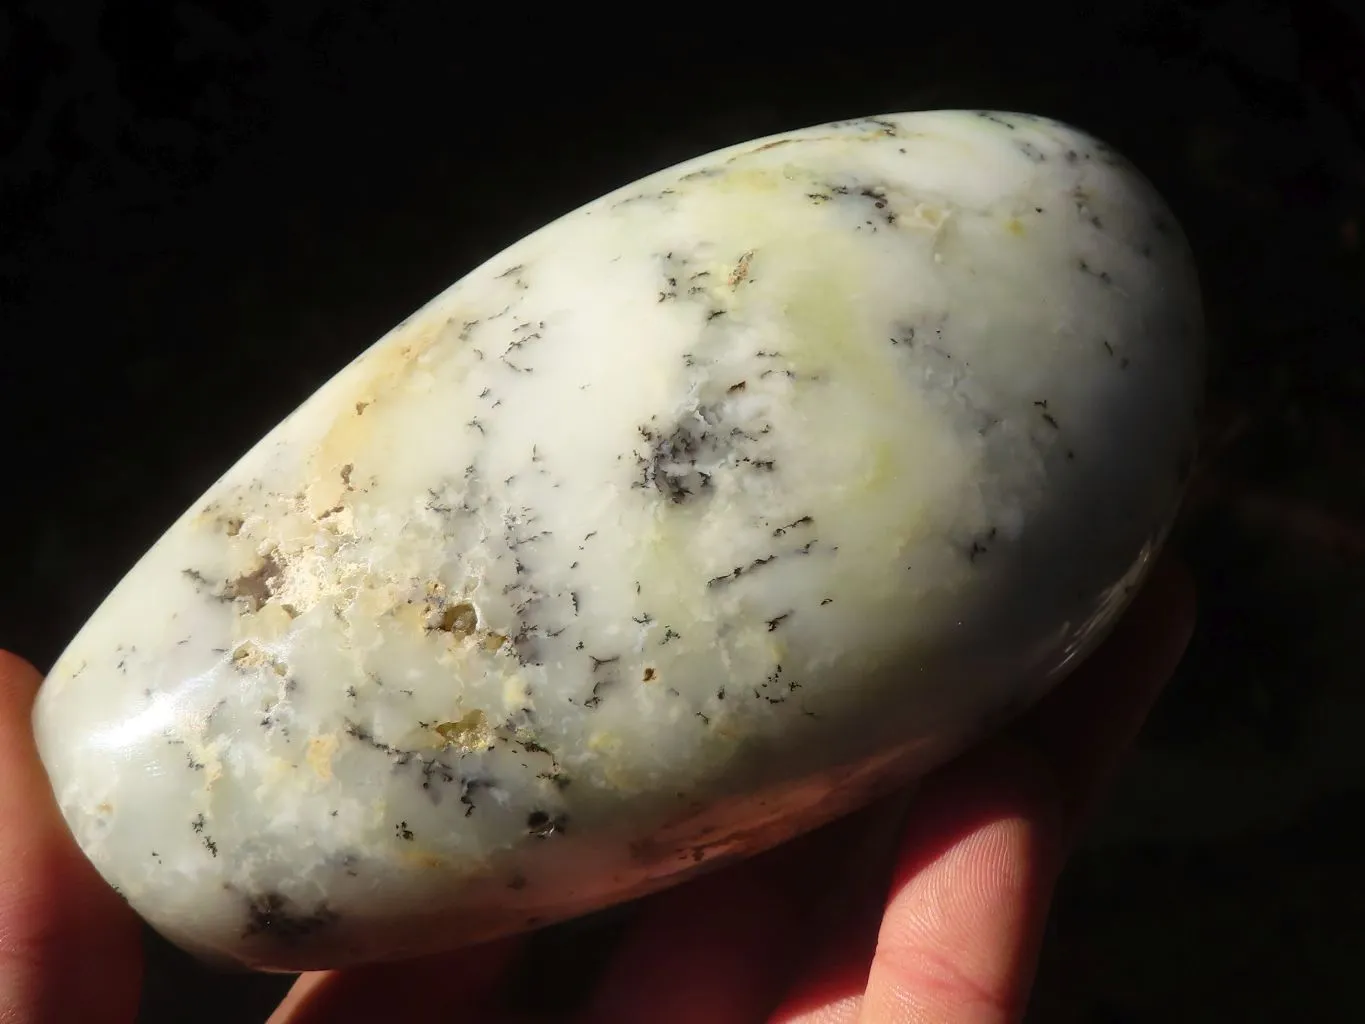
687, 523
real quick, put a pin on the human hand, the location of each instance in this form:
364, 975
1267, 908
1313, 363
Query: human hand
878, 918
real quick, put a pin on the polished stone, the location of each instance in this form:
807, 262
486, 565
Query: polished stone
690, 521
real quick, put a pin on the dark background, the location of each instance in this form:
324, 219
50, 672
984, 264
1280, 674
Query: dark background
207, 209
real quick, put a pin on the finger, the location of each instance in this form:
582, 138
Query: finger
1084, 730
461, 986
836, 988
829, 983
720, 949
960, 934
967, 897
70, 949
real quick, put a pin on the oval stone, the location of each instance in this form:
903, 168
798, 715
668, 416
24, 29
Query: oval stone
689, 522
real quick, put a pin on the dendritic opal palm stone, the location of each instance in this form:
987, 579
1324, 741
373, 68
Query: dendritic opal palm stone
689, 522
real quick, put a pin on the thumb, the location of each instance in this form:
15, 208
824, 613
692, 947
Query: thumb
70, 950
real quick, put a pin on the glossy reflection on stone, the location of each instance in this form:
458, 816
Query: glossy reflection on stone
690, 521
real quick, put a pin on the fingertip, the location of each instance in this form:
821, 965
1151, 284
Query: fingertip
18, 679
989, 833
1170, 592
967, 901
70, 949
1153, 632
1085, 728
421, 989
718, 948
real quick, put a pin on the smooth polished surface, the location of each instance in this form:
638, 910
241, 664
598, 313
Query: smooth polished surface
690, 521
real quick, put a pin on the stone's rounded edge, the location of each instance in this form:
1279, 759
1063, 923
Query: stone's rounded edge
674, 171
276, 920
671, 854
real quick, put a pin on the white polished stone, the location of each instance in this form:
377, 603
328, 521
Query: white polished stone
688, 522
